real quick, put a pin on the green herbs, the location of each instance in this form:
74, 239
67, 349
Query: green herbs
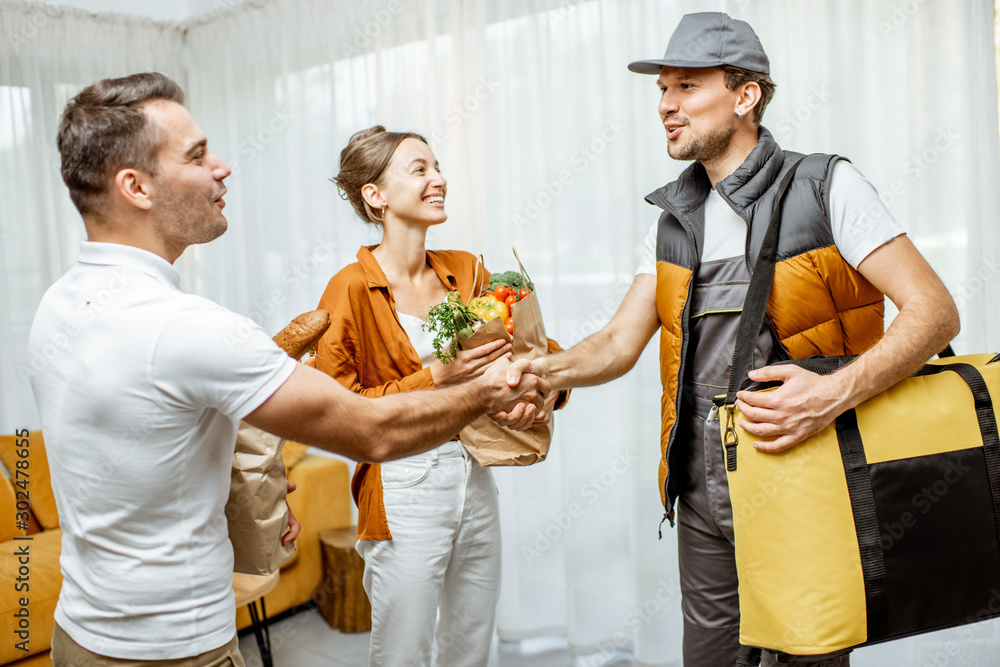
508, 279
450, 321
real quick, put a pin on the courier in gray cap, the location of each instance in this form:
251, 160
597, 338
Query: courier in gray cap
708, 48
840, 252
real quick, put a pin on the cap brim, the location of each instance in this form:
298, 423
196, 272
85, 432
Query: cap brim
653, 66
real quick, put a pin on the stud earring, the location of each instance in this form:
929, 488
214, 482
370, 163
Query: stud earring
739, 114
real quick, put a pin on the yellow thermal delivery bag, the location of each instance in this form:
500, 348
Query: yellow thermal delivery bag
883, 525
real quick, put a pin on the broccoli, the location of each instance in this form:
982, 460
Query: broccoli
508, 278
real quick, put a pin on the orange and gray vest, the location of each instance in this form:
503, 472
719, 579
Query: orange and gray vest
818, 303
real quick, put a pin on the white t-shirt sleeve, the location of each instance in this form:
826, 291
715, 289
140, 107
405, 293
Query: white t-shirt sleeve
647, 260
208, 356
860, 219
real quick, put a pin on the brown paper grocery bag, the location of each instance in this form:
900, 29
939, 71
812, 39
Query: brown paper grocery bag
256, 510
486, 333
488, 442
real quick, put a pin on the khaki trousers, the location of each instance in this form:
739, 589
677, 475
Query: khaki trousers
67, 653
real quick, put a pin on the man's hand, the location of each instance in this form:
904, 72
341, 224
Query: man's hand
801, 407
806, 403
520, 418
544, 416
520, 378
294, 527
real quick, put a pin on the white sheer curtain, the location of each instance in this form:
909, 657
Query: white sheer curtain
47, 54
549, 145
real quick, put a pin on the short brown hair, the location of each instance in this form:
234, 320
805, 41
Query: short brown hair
363, 161
737, 76
104, 130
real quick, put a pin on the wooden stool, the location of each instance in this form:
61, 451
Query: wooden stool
249, 588
341, 597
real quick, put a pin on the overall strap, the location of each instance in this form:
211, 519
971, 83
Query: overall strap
754, 308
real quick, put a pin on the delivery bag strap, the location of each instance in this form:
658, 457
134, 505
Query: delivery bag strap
754, 308
749, 656
986, 417
859, 487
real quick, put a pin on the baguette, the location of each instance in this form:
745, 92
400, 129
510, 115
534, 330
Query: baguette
303, 332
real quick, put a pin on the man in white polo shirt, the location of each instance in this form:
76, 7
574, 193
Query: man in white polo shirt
146, 399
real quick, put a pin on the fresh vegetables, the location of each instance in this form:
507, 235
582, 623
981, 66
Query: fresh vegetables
507, 288
489, 307
450, 321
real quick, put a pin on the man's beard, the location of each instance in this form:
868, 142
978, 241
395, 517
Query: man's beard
188, 219
703, 148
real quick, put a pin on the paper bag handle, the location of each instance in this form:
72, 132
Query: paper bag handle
477, 285
524, 272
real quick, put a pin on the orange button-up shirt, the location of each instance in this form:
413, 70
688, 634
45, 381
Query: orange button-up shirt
367, 350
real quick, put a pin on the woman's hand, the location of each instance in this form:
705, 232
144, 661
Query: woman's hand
469, 364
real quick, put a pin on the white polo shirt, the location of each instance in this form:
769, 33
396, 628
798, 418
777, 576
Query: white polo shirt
140, 389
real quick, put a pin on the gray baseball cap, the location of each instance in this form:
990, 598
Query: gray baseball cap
709, 39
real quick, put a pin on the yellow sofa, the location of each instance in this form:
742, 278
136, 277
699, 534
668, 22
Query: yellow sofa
29, 551
322, 500
45, 581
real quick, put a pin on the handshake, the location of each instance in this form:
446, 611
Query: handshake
522, 397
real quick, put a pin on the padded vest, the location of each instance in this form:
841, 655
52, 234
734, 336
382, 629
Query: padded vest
818, 303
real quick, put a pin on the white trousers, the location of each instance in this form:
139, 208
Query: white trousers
445, 553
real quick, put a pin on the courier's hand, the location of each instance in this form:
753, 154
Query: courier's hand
519, 393
544, 415
294, 527
801, 407
523, 415
469, 364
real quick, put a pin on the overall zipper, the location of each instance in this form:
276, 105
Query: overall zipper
668, 504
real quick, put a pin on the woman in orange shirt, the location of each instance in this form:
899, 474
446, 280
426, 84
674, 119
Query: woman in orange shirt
428, 525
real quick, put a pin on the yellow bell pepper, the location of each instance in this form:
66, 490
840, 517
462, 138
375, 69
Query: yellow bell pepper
489, 307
